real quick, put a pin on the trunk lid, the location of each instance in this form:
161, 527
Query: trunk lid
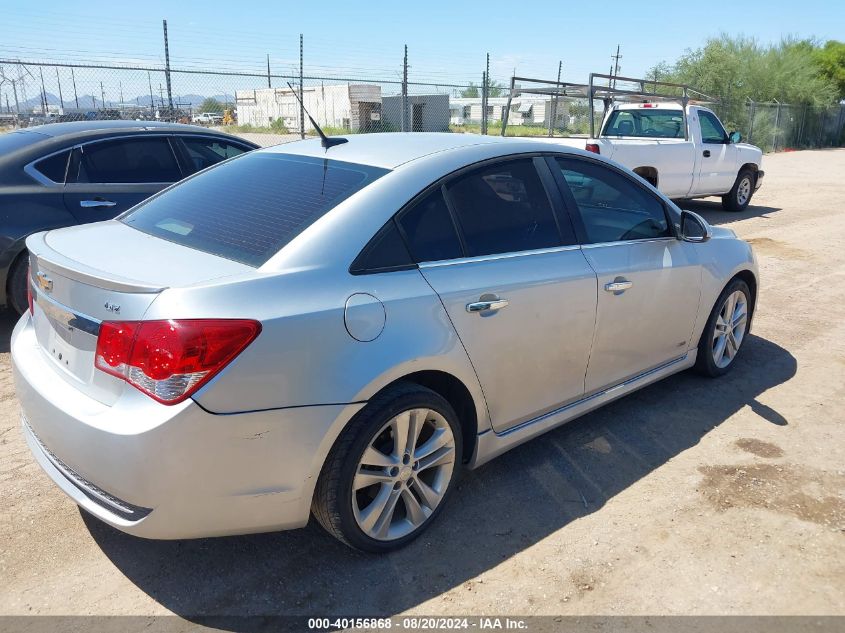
107, 271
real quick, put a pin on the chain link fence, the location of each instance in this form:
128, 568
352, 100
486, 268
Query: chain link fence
262, 106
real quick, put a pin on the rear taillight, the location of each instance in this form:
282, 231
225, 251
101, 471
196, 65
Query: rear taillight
29, 297
593, 147
170, 360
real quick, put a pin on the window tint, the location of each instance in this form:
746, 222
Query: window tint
129, 160
248, 209
504, 208
386, 251
711, 128
429, 230
650, 123
205, 152
613, 207
54, 167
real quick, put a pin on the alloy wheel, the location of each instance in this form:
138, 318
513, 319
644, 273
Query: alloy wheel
403, 474
730, 329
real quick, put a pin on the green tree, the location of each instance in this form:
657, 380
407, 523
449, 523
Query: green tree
211, 105
496, 89
830, 61
470, 91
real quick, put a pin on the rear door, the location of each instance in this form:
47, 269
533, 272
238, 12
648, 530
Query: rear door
513, 281
718, 156
105, 178
649, 282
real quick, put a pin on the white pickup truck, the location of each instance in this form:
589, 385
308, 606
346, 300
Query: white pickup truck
684, 152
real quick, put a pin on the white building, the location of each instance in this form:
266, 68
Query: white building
525, 110
355, 107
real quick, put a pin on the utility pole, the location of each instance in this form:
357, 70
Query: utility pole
268, 71
102, 95
616, 59
405, 90
61, 98
553, 117
73, 79
150, 83
486, 94
43, 92
167, 67
120, 87
301, 102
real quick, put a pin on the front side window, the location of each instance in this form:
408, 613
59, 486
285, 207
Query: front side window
504, 208
711, 128
129, 160
613, 208
250, 208
646, 123
205, 152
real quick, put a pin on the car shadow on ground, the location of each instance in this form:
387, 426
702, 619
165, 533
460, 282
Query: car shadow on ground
496, 512
711, 209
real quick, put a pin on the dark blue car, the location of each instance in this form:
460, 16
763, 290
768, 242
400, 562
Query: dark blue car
63, 174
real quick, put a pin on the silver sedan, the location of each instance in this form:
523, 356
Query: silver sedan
340, 331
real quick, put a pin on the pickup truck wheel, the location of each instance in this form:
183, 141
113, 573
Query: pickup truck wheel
739, 196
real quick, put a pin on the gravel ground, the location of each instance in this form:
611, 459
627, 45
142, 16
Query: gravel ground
691, 496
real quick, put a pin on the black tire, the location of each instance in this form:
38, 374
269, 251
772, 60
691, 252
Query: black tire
731, 200
332, 502
705, 364
16, 295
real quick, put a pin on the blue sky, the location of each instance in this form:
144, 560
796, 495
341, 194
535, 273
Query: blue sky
447, 40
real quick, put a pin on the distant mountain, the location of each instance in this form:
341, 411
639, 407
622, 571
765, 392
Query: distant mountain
91, 102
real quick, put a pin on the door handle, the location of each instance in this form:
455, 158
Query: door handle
618, 286
98, 202
493, 304
707, 153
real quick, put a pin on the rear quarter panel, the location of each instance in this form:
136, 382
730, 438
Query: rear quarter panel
305, 355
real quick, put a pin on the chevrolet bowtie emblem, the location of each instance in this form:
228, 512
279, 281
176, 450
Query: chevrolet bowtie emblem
44, 282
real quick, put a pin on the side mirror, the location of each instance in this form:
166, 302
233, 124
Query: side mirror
694, 228
735, 137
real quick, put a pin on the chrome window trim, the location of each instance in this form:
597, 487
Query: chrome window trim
623, 242
497, 256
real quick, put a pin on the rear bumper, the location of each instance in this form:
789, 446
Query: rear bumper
171, 472
758, 181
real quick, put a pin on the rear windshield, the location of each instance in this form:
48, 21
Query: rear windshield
250, 207
648, 123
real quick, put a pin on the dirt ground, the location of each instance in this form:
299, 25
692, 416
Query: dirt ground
692, 496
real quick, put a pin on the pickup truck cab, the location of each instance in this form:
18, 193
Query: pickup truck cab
683, 151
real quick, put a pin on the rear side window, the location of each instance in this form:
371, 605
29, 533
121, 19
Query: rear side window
129, 160
385, 252
429, 230
248, 209
504, 208
54, 167
205, 152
